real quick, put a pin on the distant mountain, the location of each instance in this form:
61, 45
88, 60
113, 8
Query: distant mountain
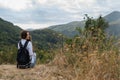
114, 23
112, 17
43, 39
69, 29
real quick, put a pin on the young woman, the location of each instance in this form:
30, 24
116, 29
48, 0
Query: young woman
25, 36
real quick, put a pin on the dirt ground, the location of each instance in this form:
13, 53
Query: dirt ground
39, 72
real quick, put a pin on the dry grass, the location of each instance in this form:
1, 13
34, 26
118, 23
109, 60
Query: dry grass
89, 61
78, 62
94, 66
40, 72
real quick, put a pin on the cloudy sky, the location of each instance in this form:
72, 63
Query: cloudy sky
38, 14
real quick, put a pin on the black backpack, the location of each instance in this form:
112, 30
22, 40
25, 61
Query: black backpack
23, 58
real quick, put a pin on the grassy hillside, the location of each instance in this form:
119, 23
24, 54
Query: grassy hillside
68, 29
113, 16
46, 39
114, 28
9, 33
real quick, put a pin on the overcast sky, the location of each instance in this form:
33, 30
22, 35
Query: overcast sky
38, 14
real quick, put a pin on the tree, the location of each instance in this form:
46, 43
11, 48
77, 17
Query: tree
96, 27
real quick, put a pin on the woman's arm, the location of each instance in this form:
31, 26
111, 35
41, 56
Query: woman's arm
30, 48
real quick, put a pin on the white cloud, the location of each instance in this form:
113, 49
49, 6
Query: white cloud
68, 5
42, 1
15, 4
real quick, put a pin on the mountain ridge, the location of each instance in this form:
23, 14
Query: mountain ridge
10, 35
113, 16
69, 29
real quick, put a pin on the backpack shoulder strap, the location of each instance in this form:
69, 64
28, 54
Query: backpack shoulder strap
20, 44
25, 45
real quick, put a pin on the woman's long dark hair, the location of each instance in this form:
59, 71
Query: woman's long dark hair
24, 34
